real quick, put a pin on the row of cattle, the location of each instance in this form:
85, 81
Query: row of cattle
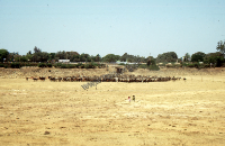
109, 78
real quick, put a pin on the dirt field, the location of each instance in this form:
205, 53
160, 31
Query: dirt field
182, 113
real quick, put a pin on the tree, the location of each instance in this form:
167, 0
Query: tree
124, 57
187, 57
76, 58
37, 50
29, 53
98, 57
150, 60
167, 57
198, 56
221, 47
110, 58
217, 58
23, 59
3, 54
51, 56
85, 58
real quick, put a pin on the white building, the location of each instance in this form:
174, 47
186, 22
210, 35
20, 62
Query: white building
64, 60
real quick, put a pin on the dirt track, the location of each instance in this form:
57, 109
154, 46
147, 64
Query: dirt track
165, 113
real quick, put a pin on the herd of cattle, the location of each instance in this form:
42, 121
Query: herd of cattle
108, 78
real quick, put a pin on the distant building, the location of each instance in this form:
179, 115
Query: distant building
64, 60
119, 62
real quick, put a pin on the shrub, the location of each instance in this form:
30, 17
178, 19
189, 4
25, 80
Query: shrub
2, 65
49, 65
58, 65
142, 66
72, 65
15, 65
28, 64
63, 66
193, 65
154, 67
82, 66
86, 66
41, 65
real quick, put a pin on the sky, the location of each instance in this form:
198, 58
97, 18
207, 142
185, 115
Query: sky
137, 27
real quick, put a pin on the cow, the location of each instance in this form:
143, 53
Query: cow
73, 78
58, 78
42, 78
94, 78
148, 79
139, 78
174, 78
144, 79
102, 78
34, 78
67, 78
85, 78
131, 78
52, 78
112, 77
123, 78
154, 79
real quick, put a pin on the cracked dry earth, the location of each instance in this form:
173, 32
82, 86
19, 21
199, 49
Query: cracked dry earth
183, 113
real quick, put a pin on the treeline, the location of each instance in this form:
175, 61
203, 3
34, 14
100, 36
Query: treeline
38, 56
56, 65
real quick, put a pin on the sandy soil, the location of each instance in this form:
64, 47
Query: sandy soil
62, 113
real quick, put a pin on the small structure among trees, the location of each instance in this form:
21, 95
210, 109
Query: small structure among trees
64, 60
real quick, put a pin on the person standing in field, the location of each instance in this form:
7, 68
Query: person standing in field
134, 98
129, 98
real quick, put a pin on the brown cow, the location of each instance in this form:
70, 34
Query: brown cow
139, 78
34, 78
131, 78
52, 78
42, 78
94, 78
85, 78
102, 78
67, 78
123, 78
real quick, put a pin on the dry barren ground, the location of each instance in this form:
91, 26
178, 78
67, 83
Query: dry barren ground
165, 113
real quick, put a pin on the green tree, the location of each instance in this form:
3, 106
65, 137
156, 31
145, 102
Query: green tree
3, 54
150, 60
85, 57
29, 53
76, 58
110, 58
217, 58
98, 57
221, 47
37, 50
23, 59
124, 57
167, 57
186, 57
198, 56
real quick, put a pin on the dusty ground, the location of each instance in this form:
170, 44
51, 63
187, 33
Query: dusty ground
165, 113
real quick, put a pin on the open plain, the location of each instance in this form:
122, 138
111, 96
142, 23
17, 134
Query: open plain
179, 113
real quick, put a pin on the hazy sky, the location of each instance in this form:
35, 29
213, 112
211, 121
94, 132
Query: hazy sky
138, 27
